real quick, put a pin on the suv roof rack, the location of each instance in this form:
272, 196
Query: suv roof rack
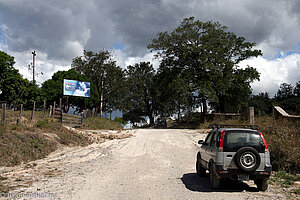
250, 126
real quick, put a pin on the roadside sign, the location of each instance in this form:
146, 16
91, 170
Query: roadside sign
76, 88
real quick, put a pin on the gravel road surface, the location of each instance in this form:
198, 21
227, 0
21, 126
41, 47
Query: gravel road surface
152, 164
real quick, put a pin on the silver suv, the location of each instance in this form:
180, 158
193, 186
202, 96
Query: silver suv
234, 153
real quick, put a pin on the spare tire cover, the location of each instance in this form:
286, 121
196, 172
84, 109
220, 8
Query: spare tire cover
247, 159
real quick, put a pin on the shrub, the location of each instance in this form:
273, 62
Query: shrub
283, 141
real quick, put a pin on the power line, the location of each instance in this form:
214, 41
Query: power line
12, 38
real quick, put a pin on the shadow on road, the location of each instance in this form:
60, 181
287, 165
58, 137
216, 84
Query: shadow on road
201, 184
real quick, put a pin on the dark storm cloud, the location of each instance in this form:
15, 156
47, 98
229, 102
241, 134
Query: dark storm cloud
137, 22
48, 26
62, 29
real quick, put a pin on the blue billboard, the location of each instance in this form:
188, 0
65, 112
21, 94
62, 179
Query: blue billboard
77, 88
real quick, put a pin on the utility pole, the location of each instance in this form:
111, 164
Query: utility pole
33, 65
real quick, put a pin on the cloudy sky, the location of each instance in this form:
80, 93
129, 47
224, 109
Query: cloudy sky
60, 30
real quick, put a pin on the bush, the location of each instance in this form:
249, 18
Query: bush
120, 120
283, 141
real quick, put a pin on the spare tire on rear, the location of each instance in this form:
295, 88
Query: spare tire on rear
247, 159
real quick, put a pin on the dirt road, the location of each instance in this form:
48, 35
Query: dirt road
153, 164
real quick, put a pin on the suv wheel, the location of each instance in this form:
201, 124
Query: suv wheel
262, 184
214, 181
247, 159
200, 170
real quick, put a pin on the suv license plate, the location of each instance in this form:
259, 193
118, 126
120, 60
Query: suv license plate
243, 177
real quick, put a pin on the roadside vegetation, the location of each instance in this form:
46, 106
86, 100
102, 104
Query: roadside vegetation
35, 140
100, 123
286, 180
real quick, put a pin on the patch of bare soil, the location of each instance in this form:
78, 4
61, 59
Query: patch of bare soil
22, 176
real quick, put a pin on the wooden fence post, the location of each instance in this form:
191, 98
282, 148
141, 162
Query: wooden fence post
20, 115
50, 111
81, 118
3, 112
44, 109
32, 114
251, 115
61, 111
93, 112
53, 111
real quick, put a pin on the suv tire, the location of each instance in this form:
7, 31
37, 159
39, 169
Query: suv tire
247, 159
200, 170
262, 184
214, 181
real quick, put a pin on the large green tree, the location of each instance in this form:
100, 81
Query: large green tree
141, 92
206, 57
261, 103
174, 94
14, 88
285, 91
102, 70
297, 89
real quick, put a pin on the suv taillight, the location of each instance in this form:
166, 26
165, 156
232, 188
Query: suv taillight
264, 141
222, 140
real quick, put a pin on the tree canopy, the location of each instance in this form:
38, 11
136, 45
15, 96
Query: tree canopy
140, 99
205, 56
105, 74
14, 88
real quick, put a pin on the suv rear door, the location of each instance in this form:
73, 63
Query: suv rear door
236, 139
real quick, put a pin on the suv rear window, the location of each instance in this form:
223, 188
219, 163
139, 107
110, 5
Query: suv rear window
236, 139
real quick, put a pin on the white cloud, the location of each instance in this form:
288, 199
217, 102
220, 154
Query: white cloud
123, 60
274, 72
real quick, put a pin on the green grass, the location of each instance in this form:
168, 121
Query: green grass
283, 178
100, 123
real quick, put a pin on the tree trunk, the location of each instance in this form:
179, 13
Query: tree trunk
204, 109
101, 103
222, 101
100, 107
151, 119
179, 114
101, 98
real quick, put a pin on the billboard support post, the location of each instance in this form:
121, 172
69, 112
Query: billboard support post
67, 104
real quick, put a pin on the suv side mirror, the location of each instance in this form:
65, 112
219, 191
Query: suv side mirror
200, 142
